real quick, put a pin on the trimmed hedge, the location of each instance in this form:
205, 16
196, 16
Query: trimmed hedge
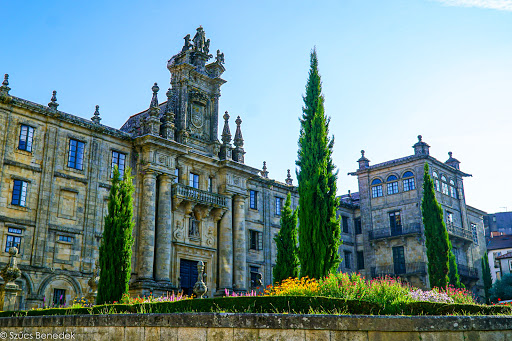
275, 304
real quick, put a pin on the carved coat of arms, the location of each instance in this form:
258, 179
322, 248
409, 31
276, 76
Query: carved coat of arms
197, 116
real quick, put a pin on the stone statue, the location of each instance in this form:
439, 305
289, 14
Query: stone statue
188, 44
220, 57
207, 46
200, 287
199, 39
93, 284
9, 290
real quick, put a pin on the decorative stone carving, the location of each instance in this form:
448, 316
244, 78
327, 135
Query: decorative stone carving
93, 284
289, 180
4, 90
9, 289
53, 101
238, 152
219, 59
179, 231
200, 287
96, 116
187, 44
264, 172
225, 149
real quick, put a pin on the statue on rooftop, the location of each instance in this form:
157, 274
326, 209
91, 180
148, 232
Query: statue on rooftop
188, 44
220, 57
199, 39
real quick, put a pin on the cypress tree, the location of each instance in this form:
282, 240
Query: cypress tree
453, 271
436, 236
116, 245
486, 274
319, 231
287, 261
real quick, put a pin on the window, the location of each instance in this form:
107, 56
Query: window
449, 218
253, 200
66, 239
59, 297
395, 223
344, 223
392, 184
255, 240
376, 188
399, 260
76, 154
118, 159
360, 260
193, 228
13, 241
357, 226
444, 186
210, 184
436, 182
347, 257
475, 233
19, 193
177, 175
26, 137
408, 181
254, 270
193, 180
279, 205
453, 192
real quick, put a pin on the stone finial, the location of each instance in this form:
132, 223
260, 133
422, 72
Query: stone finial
226, 133
452, 161
264, 172
420, 147
168, 126
419, 138
53, 101
200, 287
289, 180
5, 85
96, 116
11, 272
154, 99
238, 141
363, 161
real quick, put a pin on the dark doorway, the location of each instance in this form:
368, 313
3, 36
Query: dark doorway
188, 274
399, 260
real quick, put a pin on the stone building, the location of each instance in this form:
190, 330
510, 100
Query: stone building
195, 198
382, 224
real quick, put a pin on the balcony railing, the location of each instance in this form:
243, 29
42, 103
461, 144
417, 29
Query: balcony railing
466, 271
459, 232
389, 232
199, 196
419, 268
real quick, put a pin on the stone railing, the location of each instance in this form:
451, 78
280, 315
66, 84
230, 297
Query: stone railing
199, 196
459, 232
467, 271
387, 232
227, 326
419, 268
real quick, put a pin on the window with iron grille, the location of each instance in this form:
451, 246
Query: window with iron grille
19, 193
118, 159
76, 154
26, 138
59, 297
253, 200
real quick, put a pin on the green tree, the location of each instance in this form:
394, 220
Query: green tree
502, 289
453, 271
486, 274
287, 261
436, 236
116, 244
319, 231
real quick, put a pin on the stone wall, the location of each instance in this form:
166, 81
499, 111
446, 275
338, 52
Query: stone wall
211, 326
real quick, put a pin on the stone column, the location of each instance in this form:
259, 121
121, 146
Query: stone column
163, 230
147, 227
225, 250
239, 244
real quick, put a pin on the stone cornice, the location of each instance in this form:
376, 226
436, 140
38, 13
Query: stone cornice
70, 177
22, 165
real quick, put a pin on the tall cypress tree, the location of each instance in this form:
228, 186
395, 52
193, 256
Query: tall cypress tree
319, 232
436, 236
486, 274
116, 245
453, 271
287, 261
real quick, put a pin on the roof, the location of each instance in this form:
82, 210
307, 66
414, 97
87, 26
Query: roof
135, 121
350, 200
500, 242
506, 255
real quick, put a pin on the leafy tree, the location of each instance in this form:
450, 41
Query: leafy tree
319, 231
486, 274
116, 245
436, 236
453, 271
502, 289
287, 262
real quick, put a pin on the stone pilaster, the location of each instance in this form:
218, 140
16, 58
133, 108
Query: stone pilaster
146, 252
225, 248
215, 117
163, 231
239, 244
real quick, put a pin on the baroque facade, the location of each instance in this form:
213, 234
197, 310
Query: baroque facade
382, 224
195, 198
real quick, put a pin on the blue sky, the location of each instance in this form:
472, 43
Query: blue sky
390, 69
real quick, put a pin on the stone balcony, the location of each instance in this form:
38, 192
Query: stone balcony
182, 192
416, 268
459, 232
387, 232
467, 272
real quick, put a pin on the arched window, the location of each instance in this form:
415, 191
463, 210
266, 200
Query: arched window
408, 181
444, 185
392, 184
376, 188
453, 191
436, 182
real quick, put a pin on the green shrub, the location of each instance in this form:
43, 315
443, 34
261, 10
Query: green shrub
502, 289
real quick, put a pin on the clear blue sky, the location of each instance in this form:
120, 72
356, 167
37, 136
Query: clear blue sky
390, 69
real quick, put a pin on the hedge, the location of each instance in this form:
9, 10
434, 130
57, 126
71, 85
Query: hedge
276, 304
